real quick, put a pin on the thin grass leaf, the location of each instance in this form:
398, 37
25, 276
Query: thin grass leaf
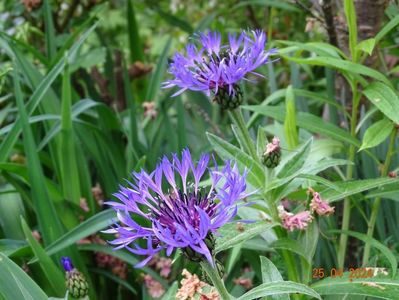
54, 275
16, 284
69, 170
49, 30
49, 223
92, 225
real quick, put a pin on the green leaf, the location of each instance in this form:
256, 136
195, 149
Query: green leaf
117, 279
233, 234
377, 133
41, 89
279, 288
293, 246
11, 207
290, 129
156, 78
271, 274
16, 284
294, 162
387, 28
123, 255
322, 49
379, 286
84, 229
321, 180
272, 3
352, 187
49, 223
261, 142
135, 46
269, 271
49, 30
307, 121
387, 192
342, 65
376, 244
171, 293
366, 46
384, 98
69, 170
54, 276
256, 175
350, 13
8, 246
173, 20
309, 239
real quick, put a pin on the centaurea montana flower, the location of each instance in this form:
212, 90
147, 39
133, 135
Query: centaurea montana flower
218, 68
181, 216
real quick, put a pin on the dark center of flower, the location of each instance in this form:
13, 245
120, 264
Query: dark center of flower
183, 208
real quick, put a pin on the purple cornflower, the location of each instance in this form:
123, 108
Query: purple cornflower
177, 213
218, 68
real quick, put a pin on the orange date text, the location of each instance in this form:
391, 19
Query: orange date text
354, 273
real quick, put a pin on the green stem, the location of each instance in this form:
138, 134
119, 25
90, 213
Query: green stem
349, 174
376, 205
249, 146
238, 120
287, 255
216, 280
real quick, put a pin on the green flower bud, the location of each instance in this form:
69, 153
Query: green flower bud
74, 280
76, 284
272, 155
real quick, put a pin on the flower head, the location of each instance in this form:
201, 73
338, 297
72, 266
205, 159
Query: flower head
218, 68
320, 206
75, 281
297, 221
166, 209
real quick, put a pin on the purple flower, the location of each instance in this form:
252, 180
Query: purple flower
175, 210
67, 264
214, 67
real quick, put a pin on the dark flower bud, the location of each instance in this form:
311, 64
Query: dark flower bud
74, 280
229, 100
272, 155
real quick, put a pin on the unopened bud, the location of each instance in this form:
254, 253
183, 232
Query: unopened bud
272, 155
75, 281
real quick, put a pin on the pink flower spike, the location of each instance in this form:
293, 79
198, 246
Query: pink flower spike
321, 207
298, 221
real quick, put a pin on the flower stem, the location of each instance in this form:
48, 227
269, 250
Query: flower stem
216, 280
376, 205
243, 133
349, 174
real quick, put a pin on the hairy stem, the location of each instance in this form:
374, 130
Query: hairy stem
238, 120
376, 205
249, 146
216, 280
343, 241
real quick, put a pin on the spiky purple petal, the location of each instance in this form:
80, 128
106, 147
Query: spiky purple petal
166, 209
